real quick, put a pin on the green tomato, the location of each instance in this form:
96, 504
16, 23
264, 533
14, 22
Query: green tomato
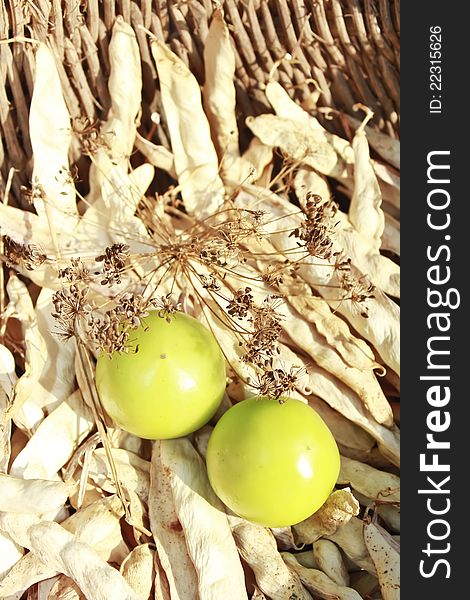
272, 463
171, 386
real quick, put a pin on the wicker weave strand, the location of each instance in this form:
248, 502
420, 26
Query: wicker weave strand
343, 51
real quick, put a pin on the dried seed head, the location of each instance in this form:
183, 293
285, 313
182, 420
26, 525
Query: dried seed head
262, 343
28, 256
241, 303
219, 251
166, 306
272, 276
315, 233
209, 282
358, 291
107, 333
70, 305
114, 262
77, 271
276, 383
342, 263
110, 332
131, 309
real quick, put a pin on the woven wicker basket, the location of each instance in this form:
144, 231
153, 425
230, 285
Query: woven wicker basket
346, 49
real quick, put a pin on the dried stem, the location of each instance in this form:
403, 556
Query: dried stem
50, 221
3, 321
97, 411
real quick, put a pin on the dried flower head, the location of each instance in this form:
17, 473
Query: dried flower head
241, 303
76, 271
315, 232
342, 263
114, 261
70, 305
131, 309
267, 313
110, 331
107, 333
209, 282
262, 342
28, 256
272, 276
357, 290
276, 383
166, 306
220, 250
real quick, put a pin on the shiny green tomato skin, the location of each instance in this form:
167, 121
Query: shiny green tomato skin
171, 386
273, 464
